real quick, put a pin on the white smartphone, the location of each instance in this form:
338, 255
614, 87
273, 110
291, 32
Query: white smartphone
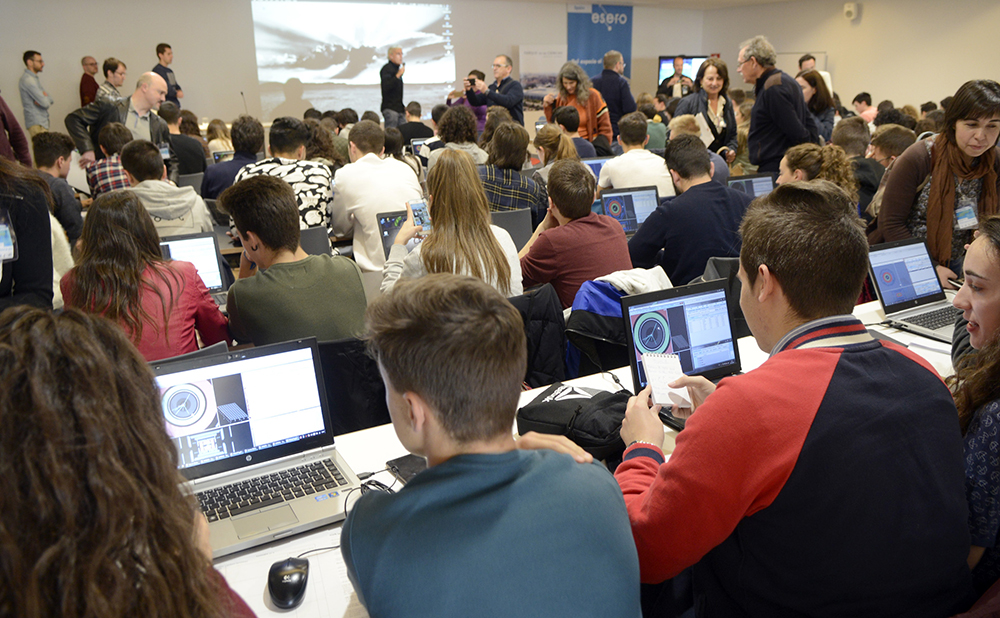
421, 218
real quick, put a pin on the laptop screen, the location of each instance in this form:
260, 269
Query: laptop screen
754, 185
630, 206
389, 224
417, 142
691, 321
904, 274
595, 164
223, 155
229, 411
199, 249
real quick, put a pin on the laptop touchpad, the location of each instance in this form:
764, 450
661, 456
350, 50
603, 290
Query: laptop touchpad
262, 522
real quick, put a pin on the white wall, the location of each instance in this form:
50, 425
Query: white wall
909, 51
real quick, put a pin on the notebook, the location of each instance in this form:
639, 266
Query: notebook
630, 207
202, 250
908, 288
691, 321
389, 224
255, 425
754, 185
595, 164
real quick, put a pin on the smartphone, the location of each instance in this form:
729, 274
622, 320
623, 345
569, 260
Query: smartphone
420, 216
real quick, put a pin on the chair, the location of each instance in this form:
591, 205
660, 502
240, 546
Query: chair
191, 180
215, 349
354, 387
516, 222
219, 217
315, 241
209, 161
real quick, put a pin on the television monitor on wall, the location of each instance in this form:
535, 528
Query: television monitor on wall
691, 66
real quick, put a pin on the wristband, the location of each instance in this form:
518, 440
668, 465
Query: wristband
634, 442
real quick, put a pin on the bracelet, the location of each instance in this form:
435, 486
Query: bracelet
633, 442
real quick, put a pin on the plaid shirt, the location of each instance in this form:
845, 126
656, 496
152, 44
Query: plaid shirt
512, 190
106, 175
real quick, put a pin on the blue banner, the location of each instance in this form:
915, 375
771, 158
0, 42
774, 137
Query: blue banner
594, 29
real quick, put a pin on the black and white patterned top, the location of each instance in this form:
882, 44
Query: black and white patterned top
982, 490
311, 181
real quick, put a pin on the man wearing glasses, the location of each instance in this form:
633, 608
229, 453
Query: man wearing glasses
614, 88
88, 85
506, 92
779, 119
114, 78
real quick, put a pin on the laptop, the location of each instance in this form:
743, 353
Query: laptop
908, 288
692, 321
595, 164
630, 207
202, 250
254, 440
754, 185
389, 224
223, 155
416, 143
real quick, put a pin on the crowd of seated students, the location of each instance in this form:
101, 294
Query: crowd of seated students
930, 189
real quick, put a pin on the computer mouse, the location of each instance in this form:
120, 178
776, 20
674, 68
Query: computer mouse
286, 582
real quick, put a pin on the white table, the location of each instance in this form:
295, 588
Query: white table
329, 592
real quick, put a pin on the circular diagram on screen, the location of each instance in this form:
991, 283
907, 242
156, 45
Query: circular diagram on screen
651, 333
887, 276
615, 207
189, 408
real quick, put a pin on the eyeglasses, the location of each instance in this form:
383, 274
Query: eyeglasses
739, 65
499, 66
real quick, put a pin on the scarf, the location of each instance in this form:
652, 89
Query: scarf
947, 162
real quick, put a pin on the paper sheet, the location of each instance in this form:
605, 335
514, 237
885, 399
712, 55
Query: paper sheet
328, 592
661, 369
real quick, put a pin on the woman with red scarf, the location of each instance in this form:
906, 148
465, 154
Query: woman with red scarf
940, 188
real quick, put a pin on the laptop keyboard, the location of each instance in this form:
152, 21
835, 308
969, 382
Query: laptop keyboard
933, 320
256, 493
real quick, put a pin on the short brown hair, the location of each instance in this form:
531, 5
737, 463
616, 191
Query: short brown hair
509, 147
852, 135
685, 124
266, 206
811, 239
420, 333
367, 136
571, 187
142, 159
49, 146
893, 139
633, 129
113, 137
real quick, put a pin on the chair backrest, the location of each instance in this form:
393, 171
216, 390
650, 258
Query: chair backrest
354, 387
209, 161
212, 350
191, 180
315, 241
516, 222
219, 217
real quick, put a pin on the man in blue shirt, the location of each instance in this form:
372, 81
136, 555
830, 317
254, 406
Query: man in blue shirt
506, 92
487, 529
248, 139
614, 88
166, 56
35, 100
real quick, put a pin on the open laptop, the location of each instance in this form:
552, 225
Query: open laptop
908, 288
389, 224
416, 143
253, 433
692, 321
595, 164
223, 155
202, 250
754, 185
630, 207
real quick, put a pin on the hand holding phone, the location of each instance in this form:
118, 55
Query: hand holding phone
421, 218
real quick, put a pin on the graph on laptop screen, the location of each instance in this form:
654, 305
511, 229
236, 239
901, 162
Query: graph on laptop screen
234, 409
904, 273
630, 208
694, 327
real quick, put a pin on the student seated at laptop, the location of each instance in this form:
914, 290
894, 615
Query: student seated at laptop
572, 244
462, 239
636, 166
294, 294
103, 521
487, 529
826, 482
120, 273
702, 222
568, 119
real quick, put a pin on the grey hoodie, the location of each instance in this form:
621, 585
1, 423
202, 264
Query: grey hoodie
175, 210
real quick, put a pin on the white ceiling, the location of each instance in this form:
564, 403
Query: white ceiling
689, 4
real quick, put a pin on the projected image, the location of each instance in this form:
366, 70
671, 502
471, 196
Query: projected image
328, 55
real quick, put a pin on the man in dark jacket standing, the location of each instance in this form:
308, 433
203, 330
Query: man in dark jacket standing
392, 89
614, 88
779, 119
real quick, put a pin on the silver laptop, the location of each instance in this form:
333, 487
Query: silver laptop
202, 250
909, 290
630, 207
253, 434
754, 185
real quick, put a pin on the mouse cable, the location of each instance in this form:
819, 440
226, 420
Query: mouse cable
318, 549
364, 476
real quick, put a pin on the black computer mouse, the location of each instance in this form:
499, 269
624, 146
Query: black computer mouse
286, 582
